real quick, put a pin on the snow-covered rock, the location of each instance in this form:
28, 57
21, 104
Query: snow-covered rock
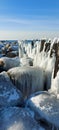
14, 47
46, 108
9, 95
8, 63
12, 54
27, 79
14, 118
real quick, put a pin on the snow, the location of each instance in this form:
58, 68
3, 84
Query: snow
13, 96
46, 107
14, 118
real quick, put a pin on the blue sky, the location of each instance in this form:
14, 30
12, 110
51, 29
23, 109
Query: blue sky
21, 19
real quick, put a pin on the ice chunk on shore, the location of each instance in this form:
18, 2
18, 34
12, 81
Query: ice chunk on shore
9, 95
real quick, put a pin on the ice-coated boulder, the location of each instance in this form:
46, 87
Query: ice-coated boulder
9, 95
7, 63
13, 48
27, 79
42, 44
46, 107
8, 48
14, 118
12, 54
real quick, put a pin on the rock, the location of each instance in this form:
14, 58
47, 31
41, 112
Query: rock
8, 48
7, 45
32, 43
14, 118
4, 50
13, 48
46, 108
12, 54
56, 49
27, 79
1, 66
9, 95
7, 63
1, 45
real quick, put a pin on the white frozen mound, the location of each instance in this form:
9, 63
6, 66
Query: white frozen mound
8, 63
14, 118
46, 107
27, 79
9, 95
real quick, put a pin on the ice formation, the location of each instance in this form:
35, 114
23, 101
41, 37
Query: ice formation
38, 70
40, 55
46, 104
27, 79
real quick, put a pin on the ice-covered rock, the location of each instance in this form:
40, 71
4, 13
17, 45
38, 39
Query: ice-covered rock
9, 48
13, 48
46, 108
9, 95
1, 45
8, 63
47, 47
12, 54
55, 50
14, 118
26, 61
42, 45
27, 79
